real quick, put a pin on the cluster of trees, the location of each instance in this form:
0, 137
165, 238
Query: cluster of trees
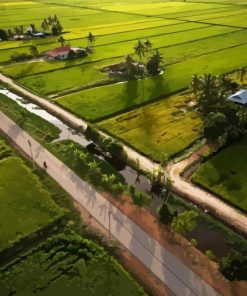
222, 120
9, 33
52, 23
153, 62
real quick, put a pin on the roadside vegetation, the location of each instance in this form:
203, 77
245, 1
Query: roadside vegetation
67, 263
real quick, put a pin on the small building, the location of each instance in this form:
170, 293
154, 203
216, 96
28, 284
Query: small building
60, 53
239, 97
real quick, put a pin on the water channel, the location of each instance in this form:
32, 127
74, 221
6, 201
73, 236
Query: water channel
207, 238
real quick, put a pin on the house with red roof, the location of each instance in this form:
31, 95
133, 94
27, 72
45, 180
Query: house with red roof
60, 53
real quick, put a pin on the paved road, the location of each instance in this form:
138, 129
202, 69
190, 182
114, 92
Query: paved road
212, 203
178, 277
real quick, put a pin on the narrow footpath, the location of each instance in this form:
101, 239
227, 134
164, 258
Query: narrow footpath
174, 274
213, 204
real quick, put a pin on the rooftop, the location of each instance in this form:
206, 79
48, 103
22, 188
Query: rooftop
239, 97
59, 51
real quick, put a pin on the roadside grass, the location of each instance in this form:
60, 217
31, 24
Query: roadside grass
224, 174
25, 206
100, 103
163, 128
67, 264
33, 124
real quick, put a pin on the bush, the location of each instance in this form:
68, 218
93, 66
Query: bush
210, 255
19, 57
185, 222
92, 134
166, 214
107, 144
193, 242
234, 266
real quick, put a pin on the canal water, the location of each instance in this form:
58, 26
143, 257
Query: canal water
207, 239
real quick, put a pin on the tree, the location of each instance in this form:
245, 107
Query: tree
215, 125
234, 266
184, 222
147, 47
3, 35
129, 65
33, 28
140, 49
168, 186
155, 62
166, 214
195, 84
61, 40
242, 73
91, 39
34, 51
10, 33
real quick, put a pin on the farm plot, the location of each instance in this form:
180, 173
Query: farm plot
25, 206
86, 75
225, 174
112, 50
81, 76
163, 128
159, 8
99, 103
67, 264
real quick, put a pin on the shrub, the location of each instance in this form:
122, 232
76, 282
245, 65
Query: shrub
18, 57
185, 222
166, 214
210, 255
234, 266
193, 242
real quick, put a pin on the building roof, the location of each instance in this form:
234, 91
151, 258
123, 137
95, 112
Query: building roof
59, 51
239, 97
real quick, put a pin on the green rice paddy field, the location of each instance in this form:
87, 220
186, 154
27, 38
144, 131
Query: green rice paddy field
193, 36
225, 174
25, 206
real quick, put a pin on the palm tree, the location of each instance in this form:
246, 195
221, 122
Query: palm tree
168, 186
61, 40
140, 49
91, 39
34, 51
195, 84
147, 45
129, 64
242, 73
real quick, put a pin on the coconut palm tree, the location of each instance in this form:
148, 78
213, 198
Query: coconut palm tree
195, 84
148, 46
242, 73
129, 64
91, 39
62, 41
140, 49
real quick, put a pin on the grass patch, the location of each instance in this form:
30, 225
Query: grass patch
33, 124
224, 174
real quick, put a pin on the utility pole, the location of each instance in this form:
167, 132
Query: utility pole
31, 152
